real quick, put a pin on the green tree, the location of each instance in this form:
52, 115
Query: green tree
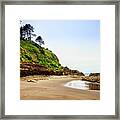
40, 40
26, 31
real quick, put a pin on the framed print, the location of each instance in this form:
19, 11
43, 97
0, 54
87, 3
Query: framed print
59, 59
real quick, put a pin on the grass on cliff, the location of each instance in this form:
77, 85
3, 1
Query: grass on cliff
31, 52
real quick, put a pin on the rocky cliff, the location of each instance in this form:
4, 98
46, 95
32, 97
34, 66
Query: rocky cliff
37, 60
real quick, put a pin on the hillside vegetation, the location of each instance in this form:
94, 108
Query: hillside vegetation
31, 52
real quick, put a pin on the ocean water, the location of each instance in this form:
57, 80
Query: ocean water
86, 74
78, 84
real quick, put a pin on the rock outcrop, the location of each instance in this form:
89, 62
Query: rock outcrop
27, 69
67, 71
93, 77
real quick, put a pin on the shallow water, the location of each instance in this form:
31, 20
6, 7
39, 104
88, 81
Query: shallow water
84, 85
78, 84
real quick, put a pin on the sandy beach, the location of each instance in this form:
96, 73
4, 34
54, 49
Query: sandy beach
52, 88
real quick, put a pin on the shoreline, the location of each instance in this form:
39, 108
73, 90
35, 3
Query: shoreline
51, 77
52, 88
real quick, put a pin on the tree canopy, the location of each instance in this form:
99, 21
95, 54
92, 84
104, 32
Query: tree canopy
26, 32
40, 40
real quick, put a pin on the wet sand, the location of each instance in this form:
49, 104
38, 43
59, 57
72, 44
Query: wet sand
52, 88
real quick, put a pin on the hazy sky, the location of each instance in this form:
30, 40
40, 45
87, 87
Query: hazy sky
75, 42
